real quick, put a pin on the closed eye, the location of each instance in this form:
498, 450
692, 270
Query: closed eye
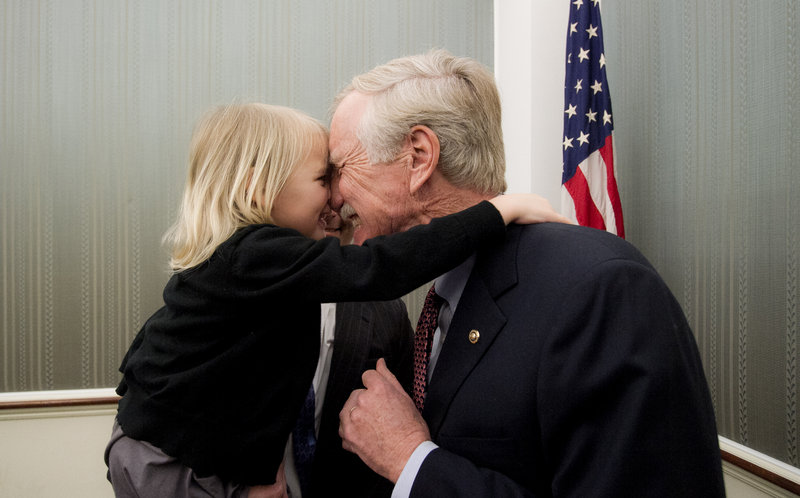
326, 177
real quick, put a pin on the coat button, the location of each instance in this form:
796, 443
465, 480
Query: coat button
474, 335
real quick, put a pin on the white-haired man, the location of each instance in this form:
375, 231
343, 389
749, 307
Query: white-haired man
561, 364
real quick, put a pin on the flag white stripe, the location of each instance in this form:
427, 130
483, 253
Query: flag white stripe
568, 204
594, 169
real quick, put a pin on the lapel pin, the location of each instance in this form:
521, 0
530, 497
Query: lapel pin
474, 335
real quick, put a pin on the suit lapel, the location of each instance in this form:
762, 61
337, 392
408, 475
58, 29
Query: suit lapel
494, 273
350, 349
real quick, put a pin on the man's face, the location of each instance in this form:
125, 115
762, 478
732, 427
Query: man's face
373, 197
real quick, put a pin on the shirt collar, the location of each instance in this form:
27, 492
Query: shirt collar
451, 285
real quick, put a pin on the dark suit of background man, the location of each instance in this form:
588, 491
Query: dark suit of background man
363, 332
566, 368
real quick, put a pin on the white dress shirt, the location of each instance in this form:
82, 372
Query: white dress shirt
320, 383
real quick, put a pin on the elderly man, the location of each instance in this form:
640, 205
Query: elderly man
559, 364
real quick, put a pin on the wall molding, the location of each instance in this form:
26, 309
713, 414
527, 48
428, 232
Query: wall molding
767, 468
27, 402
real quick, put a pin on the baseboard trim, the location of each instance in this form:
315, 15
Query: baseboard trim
771, 470
57, 399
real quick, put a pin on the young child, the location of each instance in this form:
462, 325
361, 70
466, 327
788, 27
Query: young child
213, 383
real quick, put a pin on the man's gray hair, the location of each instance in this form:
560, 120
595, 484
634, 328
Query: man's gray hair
456, 97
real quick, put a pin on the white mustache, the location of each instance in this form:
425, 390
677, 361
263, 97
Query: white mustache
346, 212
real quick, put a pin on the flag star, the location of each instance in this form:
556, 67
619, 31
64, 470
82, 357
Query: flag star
578, 86
569, 58
584, 54
592, 31
595, 2
577, 3
602, 60
592, 116
606, 117
567, 142
571, 110
573, 28
597, 87
583, 138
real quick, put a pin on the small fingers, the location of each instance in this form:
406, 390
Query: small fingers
568, 221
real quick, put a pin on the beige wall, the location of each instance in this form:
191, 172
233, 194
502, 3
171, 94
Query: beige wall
55, 452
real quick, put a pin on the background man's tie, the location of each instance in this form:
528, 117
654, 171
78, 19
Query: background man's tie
423, 340
304, 442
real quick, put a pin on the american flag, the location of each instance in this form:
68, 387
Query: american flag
589, 186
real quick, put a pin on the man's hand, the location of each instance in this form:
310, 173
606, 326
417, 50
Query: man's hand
380, 424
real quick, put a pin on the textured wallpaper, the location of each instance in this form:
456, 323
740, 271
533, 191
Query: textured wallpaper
98, 99
707, 111
98, 102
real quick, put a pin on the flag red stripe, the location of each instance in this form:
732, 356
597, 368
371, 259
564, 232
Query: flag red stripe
586, 212
607, 153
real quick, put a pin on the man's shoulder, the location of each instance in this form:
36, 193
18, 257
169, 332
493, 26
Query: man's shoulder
571, 240
563, 231
546, 249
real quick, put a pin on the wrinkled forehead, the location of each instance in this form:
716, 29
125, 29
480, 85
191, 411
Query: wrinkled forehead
344, 124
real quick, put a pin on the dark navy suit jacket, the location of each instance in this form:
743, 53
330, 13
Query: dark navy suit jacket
585, 380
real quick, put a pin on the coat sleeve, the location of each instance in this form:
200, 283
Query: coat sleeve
445, 474
280, 262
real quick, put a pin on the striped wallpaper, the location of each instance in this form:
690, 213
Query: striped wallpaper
706, 107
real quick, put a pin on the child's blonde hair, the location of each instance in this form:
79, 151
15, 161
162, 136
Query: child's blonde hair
239, 160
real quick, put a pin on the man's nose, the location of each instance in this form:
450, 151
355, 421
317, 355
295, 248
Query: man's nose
336, 201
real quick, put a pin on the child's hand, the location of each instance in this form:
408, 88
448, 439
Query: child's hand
524, 209
277, 490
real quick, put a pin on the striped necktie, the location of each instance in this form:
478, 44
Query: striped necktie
304, 442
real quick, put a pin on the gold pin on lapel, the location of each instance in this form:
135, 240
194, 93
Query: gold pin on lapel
474, 335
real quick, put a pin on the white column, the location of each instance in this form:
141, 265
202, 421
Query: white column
529, 45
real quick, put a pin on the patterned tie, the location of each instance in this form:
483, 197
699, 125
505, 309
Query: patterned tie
304, 442
423, 340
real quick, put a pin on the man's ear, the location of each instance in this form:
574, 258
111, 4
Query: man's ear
425, 154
